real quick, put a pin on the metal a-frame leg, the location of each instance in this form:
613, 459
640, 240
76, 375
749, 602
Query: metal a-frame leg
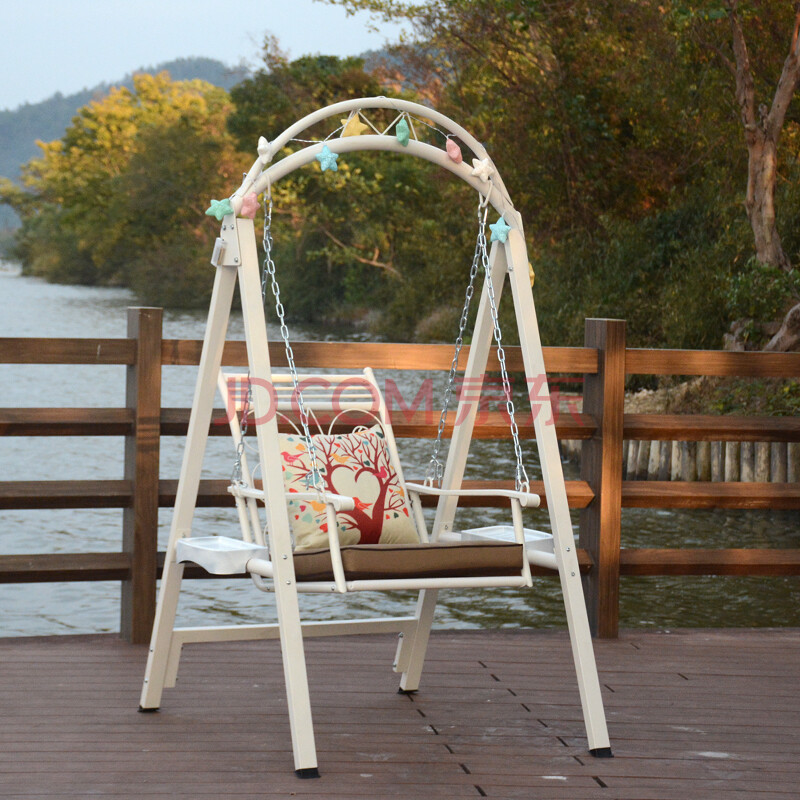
240, 253
286, 601
188, 486
513, 259
555, 490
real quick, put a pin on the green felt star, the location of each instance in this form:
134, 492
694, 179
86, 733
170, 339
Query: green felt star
499, 231
402, 132
219, 209
327, 159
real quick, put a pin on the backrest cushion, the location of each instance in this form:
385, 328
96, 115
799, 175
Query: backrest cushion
354, 464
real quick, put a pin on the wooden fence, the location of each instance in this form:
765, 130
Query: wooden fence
600, 494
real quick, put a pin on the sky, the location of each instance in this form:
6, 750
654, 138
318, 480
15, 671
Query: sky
64, 46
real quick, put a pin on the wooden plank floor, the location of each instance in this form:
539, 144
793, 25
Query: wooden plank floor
692, 715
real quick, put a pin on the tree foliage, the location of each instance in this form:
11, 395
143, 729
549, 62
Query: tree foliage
119, 200
618, 129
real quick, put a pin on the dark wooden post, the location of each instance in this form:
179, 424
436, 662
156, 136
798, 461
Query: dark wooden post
601, 467
140, 519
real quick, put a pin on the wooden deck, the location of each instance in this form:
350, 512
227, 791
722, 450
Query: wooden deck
692, 715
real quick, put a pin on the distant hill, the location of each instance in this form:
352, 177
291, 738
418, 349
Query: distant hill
47, 120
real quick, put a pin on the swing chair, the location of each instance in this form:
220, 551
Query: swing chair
340, 517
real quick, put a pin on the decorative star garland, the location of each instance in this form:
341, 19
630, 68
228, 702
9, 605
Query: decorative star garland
356, 124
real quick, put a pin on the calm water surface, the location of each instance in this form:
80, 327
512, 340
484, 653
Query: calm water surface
29, 307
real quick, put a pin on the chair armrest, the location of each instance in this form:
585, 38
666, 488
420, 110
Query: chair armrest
339, 502
526, 499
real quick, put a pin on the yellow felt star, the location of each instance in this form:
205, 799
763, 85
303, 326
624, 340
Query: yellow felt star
353, 126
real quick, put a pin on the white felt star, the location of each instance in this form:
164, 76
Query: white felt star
482, 168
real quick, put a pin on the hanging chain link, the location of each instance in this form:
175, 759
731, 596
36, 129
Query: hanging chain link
480, 259
315, 477
521, 482
435, 469
236, 476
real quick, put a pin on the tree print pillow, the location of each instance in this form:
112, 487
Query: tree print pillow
356, 465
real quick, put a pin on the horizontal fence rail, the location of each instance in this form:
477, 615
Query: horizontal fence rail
602, 364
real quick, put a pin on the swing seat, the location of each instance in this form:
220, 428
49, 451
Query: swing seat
354, 402
222, 555
363, 562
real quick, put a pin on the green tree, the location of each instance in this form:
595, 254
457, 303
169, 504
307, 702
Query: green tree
629, 121
127, 182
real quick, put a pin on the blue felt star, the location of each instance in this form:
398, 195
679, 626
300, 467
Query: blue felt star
402, 132
220, 209
327, 159
499, 231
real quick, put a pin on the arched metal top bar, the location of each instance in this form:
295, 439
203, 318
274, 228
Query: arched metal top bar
346, 106
499, 200
361, 104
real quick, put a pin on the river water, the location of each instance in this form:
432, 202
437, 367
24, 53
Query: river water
30, 307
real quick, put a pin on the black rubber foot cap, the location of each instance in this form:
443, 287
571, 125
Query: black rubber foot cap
147, 710
602, 752
406, 691
308, 772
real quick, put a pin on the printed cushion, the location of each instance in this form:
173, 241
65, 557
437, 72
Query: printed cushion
356, 465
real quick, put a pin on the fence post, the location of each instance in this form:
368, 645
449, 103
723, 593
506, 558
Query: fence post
601, 467
140, 519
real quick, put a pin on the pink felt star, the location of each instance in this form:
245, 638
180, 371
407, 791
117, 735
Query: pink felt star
249, 206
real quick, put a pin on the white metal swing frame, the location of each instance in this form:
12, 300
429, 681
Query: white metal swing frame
237, 259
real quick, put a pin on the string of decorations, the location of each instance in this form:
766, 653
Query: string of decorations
357, 124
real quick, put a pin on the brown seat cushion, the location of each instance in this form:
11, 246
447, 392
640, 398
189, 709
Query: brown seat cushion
388, 561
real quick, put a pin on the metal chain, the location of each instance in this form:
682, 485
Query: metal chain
236, 476
435, 467
269, 269
521, 482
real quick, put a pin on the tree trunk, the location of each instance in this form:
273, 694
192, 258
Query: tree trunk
762, 130
788, 337
760, 199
